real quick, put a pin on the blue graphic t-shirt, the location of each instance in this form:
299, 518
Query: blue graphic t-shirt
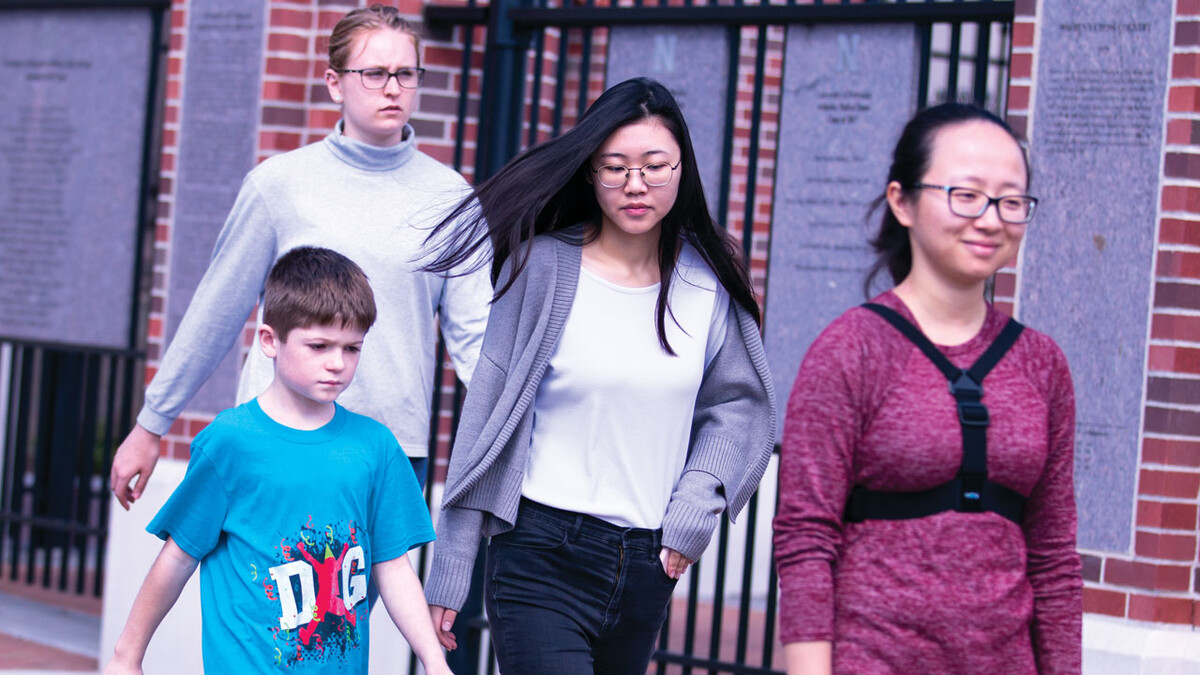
286, 524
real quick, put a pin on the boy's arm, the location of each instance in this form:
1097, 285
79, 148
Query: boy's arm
401, 593
160, 590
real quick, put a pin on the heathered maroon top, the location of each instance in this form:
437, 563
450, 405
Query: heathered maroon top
949, 593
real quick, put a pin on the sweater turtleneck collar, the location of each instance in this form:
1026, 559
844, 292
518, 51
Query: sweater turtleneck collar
370, 157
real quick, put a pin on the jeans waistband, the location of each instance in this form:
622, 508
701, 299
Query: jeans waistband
581, 523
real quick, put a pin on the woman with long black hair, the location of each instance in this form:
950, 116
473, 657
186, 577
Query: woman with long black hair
621, 403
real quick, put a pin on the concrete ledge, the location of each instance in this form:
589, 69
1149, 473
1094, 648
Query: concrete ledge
1114, 646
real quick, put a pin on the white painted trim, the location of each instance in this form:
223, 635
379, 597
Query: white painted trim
1114, 646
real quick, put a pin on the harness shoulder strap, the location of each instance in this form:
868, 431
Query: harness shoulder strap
979, 370
970, 490
918, 338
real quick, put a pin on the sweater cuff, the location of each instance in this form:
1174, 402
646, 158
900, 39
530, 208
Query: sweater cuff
688, 529
449, 582
156, 424
721, 457
806, 603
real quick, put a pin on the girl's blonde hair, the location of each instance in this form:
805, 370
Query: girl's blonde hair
362, 20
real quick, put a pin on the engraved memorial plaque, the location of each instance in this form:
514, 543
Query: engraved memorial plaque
71, 146
217, 142
1089, 255
693, 63
848, 92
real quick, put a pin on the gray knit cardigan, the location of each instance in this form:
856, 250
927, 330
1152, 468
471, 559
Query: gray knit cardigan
733, 427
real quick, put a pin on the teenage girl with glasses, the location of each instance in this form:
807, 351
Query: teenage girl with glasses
366, 192
920, 530
622, 401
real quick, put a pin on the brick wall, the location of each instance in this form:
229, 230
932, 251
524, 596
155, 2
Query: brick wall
1020, 117
175, 443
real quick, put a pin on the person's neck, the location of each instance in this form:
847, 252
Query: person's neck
948, 314
381, 141
623, 259
293, 411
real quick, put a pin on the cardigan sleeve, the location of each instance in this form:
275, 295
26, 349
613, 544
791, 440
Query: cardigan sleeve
732, 439
822, 428
460, 528
459, 531
1053, 566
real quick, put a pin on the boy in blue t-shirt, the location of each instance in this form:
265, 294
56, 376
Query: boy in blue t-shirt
293, 504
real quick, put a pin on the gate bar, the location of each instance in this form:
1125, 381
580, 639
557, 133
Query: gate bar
749, 15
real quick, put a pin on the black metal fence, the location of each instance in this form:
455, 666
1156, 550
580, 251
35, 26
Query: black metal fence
724, 617
67, 408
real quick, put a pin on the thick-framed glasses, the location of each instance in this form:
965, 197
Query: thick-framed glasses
656, 174
377, 78
971, 203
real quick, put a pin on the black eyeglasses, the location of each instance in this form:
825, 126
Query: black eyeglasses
377, 78
972, 203
656, 174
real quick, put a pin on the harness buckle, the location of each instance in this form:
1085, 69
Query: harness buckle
968, 393
972, 414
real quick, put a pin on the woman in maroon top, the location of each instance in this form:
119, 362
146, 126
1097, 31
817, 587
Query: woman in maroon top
963, 589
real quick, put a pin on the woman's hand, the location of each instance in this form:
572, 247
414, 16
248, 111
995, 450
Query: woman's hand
673, 562
443, 623
808, 658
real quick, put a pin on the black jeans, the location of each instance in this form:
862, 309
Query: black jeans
569, 594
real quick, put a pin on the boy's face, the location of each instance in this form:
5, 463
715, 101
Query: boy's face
315, 363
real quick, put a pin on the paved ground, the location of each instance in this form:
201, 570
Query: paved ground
16, 653
43, 630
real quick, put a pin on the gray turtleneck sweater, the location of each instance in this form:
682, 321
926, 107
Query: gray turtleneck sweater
375, 205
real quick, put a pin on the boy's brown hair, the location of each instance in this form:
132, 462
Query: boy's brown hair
316, 286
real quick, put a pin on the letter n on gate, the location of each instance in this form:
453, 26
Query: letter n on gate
664, 53
847, 53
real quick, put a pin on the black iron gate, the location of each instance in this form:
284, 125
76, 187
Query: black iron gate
723, 623
63, 408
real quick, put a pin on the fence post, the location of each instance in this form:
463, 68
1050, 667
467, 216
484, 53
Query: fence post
503, 95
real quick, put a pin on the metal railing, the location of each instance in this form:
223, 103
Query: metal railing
68, 407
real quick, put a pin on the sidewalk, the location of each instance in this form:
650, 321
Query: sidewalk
45, 630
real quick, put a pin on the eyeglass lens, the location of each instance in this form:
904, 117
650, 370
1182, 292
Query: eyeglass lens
968, 203
377, 78
654, 175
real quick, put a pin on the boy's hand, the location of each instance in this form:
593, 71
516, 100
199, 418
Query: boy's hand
136, 457
443, 623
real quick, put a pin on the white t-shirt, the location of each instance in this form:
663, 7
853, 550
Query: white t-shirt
613, 414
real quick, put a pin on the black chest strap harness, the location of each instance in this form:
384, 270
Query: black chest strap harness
970, 491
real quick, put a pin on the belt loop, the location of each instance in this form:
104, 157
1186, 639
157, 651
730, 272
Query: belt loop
576, 526
656, 540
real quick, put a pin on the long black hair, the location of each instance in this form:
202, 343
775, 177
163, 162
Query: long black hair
910, 161
545, 189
